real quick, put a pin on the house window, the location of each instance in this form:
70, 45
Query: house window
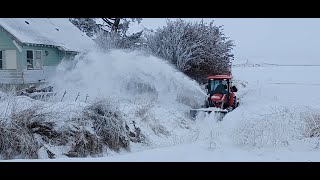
1, 60
30, 59
38, 60
34, 59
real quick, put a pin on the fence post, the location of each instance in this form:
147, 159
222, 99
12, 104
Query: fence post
77, 96
86, 98
65, 92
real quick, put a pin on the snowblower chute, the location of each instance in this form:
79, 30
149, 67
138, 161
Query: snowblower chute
221, 97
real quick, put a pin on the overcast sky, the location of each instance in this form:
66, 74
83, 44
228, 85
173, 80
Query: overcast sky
271, 40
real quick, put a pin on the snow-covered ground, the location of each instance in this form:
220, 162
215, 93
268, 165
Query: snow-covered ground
269, 125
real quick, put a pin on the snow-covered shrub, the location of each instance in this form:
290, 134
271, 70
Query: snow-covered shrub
135, 135
16, 142
8, 88
24, 130
277, 126
312, 119
17, 133
84, 140
108, 123
143, 107
158, 129
198, 49
38, 121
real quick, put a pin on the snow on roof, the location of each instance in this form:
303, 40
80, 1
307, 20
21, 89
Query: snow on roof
50, 31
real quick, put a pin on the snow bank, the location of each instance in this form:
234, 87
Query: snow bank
275, 126
274, 115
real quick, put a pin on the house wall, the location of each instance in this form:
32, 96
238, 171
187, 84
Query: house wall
51, 57
6, 43
35, 76
5, 40
10, 76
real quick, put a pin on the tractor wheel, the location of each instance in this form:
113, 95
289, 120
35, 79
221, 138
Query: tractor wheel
206, 104
235, 103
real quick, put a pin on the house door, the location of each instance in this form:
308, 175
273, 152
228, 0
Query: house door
11, 59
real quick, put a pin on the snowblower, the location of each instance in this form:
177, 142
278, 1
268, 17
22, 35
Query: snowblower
221, 97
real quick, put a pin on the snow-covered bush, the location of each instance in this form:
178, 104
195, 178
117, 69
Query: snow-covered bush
17, 131
17, 142
108, 123
84, 140
311, 117
7, 88
197, 49
276, 127
159, 129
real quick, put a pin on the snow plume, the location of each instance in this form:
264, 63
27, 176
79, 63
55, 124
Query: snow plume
125, 76
151, 93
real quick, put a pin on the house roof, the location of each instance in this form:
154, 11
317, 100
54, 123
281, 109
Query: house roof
58, 32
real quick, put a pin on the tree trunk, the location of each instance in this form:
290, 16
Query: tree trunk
115, 26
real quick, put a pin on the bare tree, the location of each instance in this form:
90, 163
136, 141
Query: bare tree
87, 25
119, 24
112, 33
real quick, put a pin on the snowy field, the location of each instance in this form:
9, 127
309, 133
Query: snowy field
278, 111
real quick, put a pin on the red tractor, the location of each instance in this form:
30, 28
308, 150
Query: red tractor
221, 96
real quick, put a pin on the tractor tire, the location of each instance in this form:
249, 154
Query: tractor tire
206, 104
235, 103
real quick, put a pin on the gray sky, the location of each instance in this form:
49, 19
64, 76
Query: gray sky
271, 40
